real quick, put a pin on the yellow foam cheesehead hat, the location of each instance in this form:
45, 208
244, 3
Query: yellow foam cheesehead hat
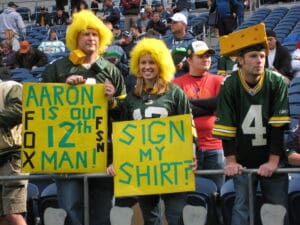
234, 43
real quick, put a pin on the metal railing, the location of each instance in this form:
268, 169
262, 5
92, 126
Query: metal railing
85, 178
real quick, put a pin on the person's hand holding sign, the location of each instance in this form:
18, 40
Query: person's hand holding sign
194, 164
109, 89
110, 170
75, 79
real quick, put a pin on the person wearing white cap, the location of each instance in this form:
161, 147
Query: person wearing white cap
179, 38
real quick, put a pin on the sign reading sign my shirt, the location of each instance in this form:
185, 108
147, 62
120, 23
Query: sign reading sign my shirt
64, 128
153, 156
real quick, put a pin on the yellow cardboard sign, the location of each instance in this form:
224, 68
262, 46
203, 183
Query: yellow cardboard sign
153, 156
64, 128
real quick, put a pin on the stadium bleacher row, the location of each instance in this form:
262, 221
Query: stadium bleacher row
43, 194
284, 21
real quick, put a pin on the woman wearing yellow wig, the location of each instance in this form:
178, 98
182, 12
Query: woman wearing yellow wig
153, 96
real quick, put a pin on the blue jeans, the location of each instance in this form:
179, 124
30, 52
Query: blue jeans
70, 197
274, 190
212, 160
174, 204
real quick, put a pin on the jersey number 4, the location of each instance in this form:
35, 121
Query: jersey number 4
253, 125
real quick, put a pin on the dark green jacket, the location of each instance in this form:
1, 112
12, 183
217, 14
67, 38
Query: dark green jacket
10, 117
61, 69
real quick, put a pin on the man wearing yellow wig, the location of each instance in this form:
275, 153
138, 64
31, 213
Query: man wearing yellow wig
87, 38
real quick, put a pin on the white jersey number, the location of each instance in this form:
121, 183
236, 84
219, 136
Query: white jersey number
149, 112
253, 124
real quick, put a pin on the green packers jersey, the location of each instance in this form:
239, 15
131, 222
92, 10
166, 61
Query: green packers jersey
247, 114
173, 102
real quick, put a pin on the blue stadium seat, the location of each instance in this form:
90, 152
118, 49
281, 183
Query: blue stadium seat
48, 198
291, 45
227, 196
20, 74
294, 98
205, 195
294, 198
32, 215
292, 37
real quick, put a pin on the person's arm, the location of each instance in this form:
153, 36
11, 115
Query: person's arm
276, 146
284, 66
206, 103
199, 111
42, 58
294, 159
276, 140
268, 168
12, 114
21, 26
212, 6
291, 147
232, 167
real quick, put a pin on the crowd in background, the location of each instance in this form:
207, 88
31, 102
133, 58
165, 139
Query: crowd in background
190, 59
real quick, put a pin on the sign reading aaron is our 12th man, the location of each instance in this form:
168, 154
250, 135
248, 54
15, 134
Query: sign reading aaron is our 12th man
153, 156
64, 128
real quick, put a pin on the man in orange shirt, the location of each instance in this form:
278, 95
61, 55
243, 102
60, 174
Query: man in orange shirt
202, 88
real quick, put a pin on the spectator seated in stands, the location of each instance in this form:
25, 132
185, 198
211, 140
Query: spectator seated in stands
296, 61
293, 146
111, 12
131, 9
279, 58
61, 17
136, 33
179, 38
159, 7
116, 55
52, 44
226, 64
8, 54
127, 42
29, 57
43, 18
179, 59
117, 34
143, 20
155, 26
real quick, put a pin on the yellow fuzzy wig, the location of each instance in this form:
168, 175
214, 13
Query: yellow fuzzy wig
159, 52
83, 20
